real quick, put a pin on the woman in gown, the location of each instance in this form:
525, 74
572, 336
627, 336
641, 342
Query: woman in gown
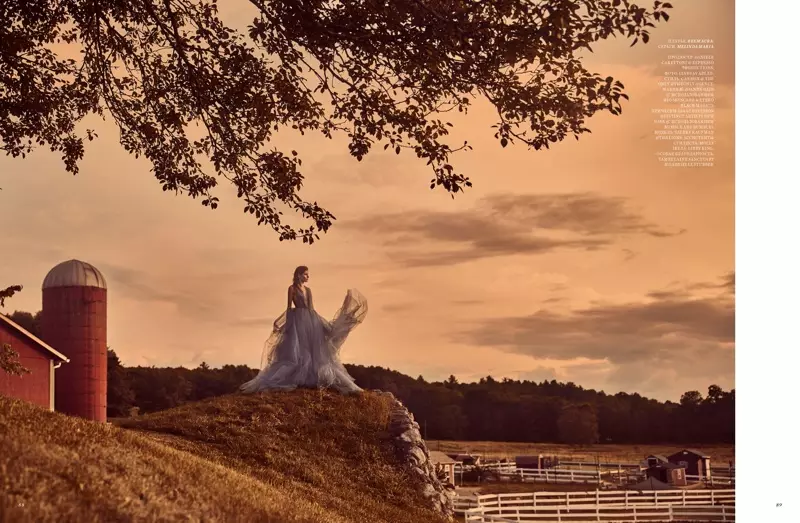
303, 350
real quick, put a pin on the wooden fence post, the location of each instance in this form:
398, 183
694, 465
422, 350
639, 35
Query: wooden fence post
683, 496
670, 512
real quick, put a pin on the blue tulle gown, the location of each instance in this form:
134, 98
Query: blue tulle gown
303, 350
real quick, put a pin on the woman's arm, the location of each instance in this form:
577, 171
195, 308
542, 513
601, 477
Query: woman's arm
310, 299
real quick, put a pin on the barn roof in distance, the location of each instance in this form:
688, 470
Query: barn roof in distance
441, 458
74, 273
696, 452
54, 354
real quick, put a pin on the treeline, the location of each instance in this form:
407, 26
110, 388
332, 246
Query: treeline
490, 410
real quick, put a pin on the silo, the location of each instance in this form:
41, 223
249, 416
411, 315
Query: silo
74, 305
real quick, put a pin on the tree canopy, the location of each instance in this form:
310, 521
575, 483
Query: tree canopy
9, 358
202, 101
490, 410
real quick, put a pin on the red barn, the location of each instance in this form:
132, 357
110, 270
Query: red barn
41, 359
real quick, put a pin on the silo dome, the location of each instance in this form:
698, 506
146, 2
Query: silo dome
74, 273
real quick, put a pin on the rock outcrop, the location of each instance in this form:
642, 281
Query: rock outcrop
414, 453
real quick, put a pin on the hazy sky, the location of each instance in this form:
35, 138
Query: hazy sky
589, 262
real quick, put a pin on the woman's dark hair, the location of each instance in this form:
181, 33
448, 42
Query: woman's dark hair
297, 273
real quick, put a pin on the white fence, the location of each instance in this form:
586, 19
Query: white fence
716, 472
585, 472
592, 465
624, 498
543, 475
556, 476
614, 513
714, 480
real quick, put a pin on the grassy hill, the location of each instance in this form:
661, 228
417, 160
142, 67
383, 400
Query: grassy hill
303, 456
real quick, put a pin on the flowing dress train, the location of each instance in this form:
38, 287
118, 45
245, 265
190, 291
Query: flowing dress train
303, 350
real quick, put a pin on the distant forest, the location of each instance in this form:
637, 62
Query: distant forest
489, 410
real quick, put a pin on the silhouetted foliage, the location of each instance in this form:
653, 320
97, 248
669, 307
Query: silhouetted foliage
8, 292
202, 100
29, 322
9, 361
489, 410
121, 397
9, 358
577, 424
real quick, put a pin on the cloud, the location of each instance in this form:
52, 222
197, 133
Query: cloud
504, 225
683, 290
398, 307
586, 213
673, 333
138, 286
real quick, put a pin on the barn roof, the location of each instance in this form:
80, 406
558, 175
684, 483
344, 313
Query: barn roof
698, 453
658, 457
51, 352
651, 484
440, 458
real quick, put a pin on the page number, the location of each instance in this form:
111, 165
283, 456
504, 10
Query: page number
778, 504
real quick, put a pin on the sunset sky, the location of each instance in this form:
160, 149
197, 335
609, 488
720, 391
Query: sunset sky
589, 262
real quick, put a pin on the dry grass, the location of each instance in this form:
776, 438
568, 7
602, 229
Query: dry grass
305, 456
720, 454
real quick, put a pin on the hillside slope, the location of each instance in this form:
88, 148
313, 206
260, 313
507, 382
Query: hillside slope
304, 456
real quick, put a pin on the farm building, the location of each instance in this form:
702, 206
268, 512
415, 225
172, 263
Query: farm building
468, 460
550, 462
695, 462
655, 459
41, 359
536, 462
73, 323
652, 484
530, 462
668, 473
74, 305
442, 461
